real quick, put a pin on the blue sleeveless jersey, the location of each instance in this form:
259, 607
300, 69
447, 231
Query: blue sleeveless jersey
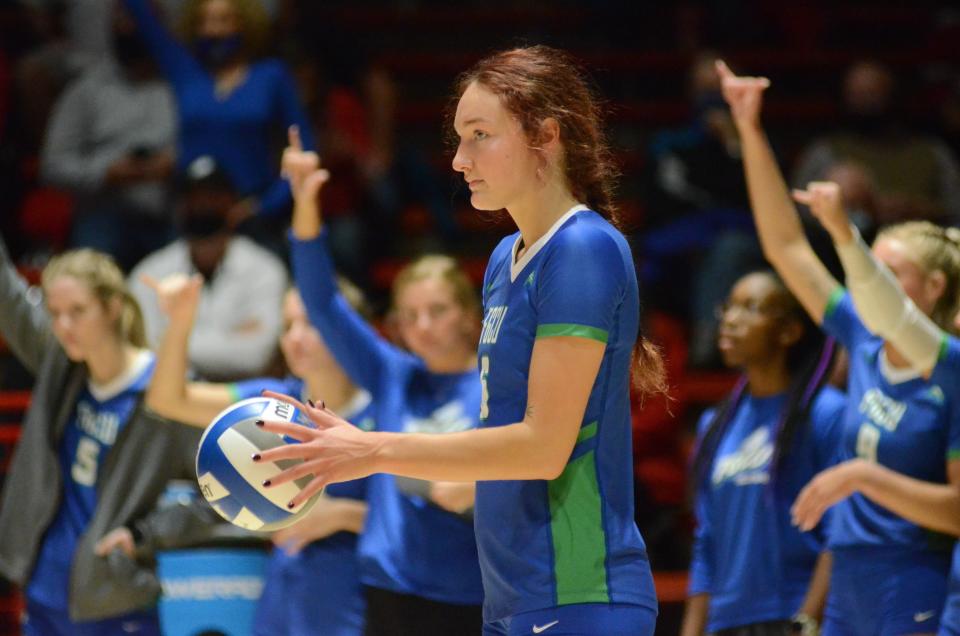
573, 539
747, 555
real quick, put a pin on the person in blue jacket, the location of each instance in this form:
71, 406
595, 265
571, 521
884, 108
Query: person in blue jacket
418, 554
895, 417
753, 572
933, 351
231, 104
560, 551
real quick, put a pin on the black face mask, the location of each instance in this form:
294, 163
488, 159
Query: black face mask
130, 48
201, 224
217, 52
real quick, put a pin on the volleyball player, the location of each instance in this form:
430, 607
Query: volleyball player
559, 548
894, 417
753, 573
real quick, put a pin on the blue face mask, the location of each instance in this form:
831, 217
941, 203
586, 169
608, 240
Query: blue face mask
215, 52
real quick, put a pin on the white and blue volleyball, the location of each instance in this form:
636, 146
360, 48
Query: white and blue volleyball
233, 483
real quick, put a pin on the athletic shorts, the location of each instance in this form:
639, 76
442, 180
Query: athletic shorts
587, 619
43, 621
950, 622
885, 593
770, 628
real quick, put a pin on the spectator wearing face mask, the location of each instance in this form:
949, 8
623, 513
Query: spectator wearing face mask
237, 325
110, 143
233, 104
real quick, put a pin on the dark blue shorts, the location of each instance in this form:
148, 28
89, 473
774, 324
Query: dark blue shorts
885, 593
578, 620
43, 621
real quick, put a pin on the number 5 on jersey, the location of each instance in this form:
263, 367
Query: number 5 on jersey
84, 470
868, 438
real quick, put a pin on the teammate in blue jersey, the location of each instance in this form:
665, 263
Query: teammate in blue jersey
418, 553
931, 350
752, 571
312, 583
559, 548
894, 417
81, 466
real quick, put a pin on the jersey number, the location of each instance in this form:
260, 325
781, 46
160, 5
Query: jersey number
484, 393
868, 437
84, 470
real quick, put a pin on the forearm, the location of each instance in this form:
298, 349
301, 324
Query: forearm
511, 452
781, 234
167, 392
814, 601
695, 615
931, 505
306, 222
884, 307
778, 223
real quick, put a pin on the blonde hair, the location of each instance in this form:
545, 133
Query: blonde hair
438, 266
253, 19
934, 248
100, 273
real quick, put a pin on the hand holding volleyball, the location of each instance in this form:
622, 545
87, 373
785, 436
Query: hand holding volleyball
333, 452
743, 94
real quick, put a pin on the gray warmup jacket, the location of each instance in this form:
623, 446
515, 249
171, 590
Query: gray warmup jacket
148, 452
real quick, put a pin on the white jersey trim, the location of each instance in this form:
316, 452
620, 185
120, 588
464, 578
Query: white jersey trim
109, 390
516, 266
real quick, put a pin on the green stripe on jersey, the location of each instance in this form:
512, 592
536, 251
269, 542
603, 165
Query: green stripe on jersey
953, 454
835, 297
234, 392
576, 526
579, 331
944, 346
587, 432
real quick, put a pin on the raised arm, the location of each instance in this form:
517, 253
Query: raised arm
24, 322
781, 234
361, 352
172, 56
880, 300
169, 393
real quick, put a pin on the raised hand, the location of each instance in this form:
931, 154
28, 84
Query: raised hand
177, 294
332, 452
302, 169
743, 94
826, 204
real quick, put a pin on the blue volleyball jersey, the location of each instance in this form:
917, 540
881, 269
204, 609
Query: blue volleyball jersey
326, 570
747, 555
573, 539
100, 416
910, 426
409, 545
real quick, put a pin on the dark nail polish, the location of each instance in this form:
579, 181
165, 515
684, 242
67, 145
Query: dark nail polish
322, 405
266, 483
290, 505
310, 402
256, 457
259, 422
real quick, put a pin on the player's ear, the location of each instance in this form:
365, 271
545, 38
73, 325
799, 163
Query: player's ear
549, 139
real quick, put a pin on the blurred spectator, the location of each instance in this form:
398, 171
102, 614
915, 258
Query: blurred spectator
232, 105
699, 236
916, 176
237, 324
110, 143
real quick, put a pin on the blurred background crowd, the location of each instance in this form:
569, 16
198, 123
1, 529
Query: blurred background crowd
113, 136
